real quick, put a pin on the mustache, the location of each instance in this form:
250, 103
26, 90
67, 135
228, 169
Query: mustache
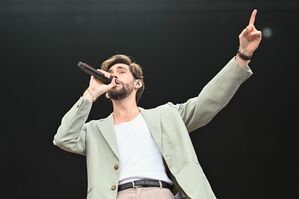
118, 81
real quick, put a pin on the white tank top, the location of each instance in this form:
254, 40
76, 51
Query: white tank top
139, 155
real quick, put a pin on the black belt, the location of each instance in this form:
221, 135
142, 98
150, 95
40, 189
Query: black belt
144, 183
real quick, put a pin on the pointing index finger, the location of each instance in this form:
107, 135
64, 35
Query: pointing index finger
252, 18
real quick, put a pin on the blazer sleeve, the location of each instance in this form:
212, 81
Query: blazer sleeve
200, 110
71, 133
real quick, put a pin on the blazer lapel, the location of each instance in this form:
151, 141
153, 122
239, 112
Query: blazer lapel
152, 119
106, 127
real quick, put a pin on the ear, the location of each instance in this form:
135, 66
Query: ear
138, 83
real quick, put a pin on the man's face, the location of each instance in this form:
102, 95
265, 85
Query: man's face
124, 84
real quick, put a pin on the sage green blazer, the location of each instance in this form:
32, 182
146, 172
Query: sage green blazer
169, 124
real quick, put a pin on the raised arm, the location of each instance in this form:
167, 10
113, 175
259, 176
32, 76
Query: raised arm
71, 133
198, 111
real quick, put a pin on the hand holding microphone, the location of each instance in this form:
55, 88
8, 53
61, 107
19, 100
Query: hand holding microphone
100, 81
96, 73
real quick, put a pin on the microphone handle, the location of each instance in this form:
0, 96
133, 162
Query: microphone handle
91, 71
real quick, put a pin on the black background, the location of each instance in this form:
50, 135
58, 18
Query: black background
249, 150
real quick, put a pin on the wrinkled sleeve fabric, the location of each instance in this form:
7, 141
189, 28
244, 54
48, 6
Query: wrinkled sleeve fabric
71, 133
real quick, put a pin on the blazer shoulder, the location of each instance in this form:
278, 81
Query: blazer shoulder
98, 121
168, 105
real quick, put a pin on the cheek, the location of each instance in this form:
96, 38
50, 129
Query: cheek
129, 85
127, 79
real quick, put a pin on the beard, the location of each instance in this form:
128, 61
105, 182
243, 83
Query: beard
121, 93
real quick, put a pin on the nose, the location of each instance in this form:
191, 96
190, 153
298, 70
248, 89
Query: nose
112, 75
116, 78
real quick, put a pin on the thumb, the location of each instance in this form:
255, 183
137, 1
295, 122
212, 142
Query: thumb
244, 32
112, 84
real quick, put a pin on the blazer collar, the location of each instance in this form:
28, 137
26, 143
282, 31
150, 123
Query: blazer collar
106, 127
153, 121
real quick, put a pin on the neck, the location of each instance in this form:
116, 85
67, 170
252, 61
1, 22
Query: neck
125, 110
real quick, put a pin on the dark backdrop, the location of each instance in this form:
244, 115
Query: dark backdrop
249, 150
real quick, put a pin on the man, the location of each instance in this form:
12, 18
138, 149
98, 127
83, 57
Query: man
138, 153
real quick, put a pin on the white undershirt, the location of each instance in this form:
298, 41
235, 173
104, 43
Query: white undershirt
139, 155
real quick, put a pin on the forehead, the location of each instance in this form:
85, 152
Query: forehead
119, 66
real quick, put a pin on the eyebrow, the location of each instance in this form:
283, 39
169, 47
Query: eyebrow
118, 67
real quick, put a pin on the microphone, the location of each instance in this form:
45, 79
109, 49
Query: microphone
91, 71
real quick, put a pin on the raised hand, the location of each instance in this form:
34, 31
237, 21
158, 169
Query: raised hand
97, 87
250, 37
